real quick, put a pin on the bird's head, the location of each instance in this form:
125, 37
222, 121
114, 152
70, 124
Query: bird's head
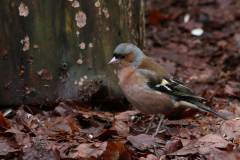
127, 55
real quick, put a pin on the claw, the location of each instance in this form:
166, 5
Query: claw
159, 125
148, 127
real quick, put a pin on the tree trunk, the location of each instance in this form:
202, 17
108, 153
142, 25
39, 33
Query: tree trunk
52, 49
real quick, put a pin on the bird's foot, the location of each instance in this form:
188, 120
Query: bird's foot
159, 125
145, 130
148, 128
150, 124
155, 133
142, 130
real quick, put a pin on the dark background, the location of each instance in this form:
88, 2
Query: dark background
208, 63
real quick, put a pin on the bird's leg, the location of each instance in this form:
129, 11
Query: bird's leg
149, 125
206, 118
159, 125
165, 121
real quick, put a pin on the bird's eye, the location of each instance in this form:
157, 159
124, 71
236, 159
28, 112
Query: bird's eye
123, 57
115, 55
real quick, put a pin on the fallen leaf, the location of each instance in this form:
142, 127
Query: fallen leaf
173, 146
202, 145
87, 150
3, 122
144, 142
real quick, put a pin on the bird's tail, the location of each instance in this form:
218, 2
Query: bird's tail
206, 109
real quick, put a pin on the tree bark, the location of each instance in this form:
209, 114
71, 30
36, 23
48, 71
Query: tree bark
52, 49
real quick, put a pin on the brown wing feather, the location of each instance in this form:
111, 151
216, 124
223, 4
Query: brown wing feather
152, 66
155, 75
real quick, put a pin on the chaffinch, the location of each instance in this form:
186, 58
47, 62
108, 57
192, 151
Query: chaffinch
151, 88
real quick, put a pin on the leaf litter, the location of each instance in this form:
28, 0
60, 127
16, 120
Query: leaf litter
207, 62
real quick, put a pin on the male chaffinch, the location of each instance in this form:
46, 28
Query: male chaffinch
149, 87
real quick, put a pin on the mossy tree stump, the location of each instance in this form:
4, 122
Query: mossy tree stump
52, 49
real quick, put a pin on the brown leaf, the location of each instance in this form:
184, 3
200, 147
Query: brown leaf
8, 144
230, 147
22, 139
173, 146
203, 145
126, 116
149, 157
232, 89
14, 130
29, 120
230, 129
143, 141
74, 129
190, 25
107, 133
155, 17
86, 150
122, 128
185, 133
225, 156
3, 122
111, 152
6, 149
124, 155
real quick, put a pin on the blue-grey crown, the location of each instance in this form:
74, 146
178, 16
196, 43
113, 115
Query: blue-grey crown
127, 48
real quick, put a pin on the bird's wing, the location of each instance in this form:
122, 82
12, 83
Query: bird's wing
167, 84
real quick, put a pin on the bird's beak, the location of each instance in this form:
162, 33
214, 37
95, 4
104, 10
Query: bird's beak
114, 60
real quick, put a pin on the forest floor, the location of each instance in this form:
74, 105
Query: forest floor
197, 41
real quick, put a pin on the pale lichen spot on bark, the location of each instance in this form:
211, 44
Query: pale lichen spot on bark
90, 45
75, 82
80, 83
107, 15
77, 33
80, 61
23, 10
75, 4
97, 4
26, 43
81, 19
105, 11
82, 45
35, 46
